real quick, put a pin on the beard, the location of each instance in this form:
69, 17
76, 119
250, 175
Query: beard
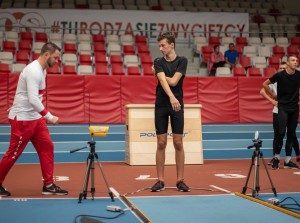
49, 64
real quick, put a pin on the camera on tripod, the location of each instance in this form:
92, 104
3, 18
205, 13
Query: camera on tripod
257, 142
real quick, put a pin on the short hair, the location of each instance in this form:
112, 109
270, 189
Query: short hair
167, 35
49, 47
282, 63
289, 56
231, 44
215, 47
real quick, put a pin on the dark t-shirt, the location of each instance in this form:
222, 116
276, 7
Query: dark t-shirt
287, 89
170, 68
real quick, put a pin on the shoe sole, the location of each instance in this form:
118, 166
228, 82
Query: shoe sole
50, 193
4, 195
275, 168
183, 190
158, 190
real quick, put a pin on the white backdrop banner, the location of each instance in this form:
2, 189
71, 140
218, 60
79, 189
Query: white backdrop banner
105, 22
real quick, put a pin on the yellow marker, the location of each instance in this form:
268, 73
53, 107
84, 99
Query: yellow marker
98, 131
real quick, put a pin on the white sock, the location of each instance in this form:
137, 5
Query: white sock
277, 156
48, 186
288, 159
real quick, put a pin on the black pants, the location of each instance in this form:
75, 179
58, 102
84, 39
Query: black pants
286, 120
213, 69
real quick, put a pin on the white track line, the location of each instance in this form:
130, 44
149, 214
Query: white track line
221, 189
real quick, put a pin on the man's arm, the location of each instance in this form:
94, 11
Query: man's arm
236, 60
174, 102
173, 81
32, 82
268, 89
266, 96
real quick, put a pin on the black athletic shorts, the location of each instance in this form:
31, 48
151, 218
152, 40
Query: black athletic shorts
162, 120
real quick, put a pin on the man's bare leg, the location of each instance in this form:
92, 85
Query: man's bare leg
160, 155
179, 155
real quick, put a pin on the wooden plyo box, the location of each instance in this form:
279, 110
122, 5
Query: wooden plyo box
140, 139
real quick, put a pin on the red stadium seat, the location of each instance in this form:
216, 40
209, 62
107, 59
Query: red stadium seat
117, 69
34, 56
4, 68
26, 36
146, 60
98, 39
241, 41
205, 53
99, 48
245, 62
53, 70
116, 59
101, 69
274, 12
269, 71
239, 49
258, 19
239, 72
274, 62
147, 70
292, 50
22, 57
25, 46
212, 41
254, 72
85, 59
100, 58
128, 50
143, 50
133, 71
69, 70
41, 37
278, 51
70, 48
140, 40
9, 46
295, 41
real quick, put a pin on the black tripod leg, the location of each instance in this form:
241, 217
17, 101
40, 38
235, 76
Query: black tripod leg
93, 178
85, 181
246, 184
109, 191
273, 188
256, 187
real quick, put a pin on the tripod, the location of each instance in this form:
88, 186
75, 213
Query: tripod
255, 162
90, 171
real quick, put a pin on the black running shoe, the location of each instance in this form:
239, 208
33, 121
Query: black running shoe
181, 186
158, 186
298, 160
275, 165
271, 161
3, 192
290, 165
54, 190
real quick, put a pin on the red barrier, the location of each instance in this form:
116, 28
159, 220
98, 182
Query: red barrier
219, 99
65, 98
3, 98
190, 90
105, 94
224, 99
137, 90
253, 107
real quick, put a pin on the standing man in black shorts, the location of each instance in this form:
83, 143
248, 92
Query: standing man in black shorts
170, 71
288, 82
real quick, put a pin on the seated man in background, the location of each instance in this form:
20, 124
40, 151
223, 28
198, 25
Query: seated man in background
216, 60
232, 57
